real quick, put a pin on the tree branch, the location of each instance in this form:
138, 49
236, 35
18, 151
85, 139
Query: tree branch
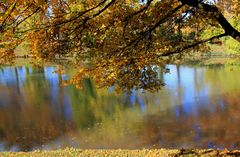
158, 23
9, 14
216, 13
179, 50
18, 23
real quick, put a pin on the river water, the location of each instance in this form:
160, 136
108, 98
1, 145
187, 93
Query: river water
198, 108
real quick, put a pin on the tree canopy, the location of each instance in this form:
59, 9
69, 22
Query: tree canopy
116, 42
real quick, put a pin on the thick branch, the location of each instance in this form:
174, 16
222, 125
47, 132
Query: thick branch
216, 13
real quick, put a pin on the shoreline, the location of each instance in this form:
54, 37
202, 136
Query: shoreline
72, 152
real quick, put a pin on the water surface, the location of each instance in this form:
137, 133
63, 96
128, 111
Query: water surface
198, 108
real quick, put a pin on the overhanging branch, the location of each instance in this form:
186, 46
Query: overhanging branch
157, 24
216, 13
179, 50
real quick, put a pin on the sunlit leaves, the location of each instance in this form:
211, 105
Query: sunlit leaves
113, 42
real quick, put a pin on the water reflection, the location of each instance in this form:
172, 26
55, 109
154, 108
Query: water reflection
197, 108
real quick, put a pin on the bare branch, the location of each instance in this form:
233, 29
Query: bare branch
179, 50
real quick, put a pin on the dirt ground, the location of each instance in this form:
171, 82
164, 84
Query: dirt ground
70, 152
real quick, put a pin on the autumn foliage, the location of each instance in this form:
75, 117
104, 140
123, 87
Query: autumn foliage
116, 42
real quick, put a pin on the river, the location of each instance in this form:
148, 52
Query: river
197, 108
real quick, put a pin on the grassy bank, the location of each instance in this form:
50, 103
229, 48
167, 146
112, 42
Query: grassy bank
124, 153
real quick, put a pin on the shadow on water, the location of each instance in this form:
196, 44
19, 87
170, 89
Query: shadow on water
198, 108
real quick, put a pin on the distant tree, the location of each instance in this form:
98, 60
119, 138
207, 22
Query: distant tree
121, 39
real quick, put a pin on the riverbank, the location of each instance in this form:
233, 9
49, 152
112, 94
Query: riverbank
70, 152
